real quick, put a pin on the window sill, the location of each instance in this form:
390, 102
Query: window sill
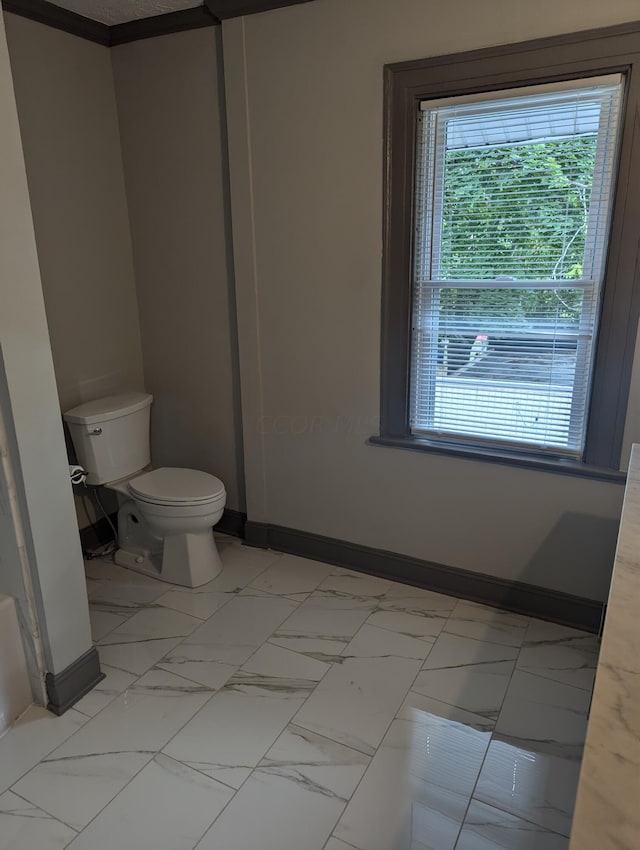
560, 466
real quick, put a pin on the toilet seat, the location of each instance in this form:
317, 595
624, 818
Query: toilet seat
175, 486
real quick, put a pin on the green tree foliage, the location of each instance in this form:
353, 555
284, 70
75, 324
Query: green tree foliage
516, 212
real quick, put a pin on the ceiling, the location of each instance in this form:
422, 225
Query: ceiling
112, 12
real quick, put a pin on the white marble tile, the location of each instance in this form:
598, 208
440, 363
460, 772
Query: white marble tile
487, 828
291, 575
413, 611
227, 739
469, 619
168, 806
359, 585
324, 619
281, 670
194, 663
125, 599
322, 762
256, 818
470, 674
415, 702
322, 648
303, 775
142, 719
535, 786
415, 792
241, 565
139, 656
560, 653
298, 597
120, 591
103, 622
234, 632
544, 716
152, 623
145, 638
93, 585
357, 699
372, 642
32, 737
195, 601
76, 788
105, 570
403, 597
258, 593
413, 624
114, 683
308, 688
25, 827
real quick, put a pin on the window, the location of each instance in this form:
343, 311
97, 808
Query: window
510, 300
511, 211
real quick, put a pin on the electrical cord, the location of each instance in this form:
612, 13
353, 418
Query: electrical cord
88, 508
106, 515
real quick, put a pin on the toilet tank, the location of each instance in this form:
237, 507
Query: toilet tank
111, 436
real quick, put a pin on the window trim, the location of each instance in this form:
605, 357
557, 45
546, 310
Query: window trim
556, 59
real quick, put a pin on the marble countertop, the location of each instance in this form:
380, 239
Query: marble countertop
607, 813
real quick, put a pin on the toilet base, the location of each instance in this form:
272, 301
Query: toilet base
146, 564
188, 560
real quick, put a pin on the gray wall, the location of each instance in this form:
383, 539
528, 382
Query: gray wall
304, 99
69, 127
31, 417
167, 91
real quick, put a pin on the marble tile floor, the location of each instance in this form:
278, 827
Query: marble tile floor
293, 705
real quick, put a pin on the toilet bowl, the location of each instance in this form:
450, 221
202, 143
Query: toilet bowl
165, 515
174, 509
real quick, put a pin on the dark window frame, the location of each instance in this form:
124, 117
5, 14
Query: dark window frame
574, 56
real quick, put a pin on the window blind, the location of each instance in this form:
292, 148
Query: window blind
512, 205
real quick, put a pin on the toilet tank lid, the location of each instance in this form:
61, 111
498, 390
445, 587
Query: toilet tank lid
111, 407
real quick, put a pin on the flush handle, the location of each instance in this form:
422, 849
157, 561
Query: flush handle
95, 432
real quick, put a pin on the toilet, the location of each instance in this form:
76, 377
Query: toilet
165, 515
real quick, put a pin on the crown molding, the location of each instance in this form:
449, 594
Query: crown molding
209, 14
60, 19
180, 21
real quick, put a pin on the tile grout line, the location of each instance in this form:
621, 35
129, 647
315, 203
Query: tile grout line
365, 623
137, 772
232, 797
42, 760
491, 736
255, 768
555, 681
376, 749
48, 752
46, 811
232, 595
520, 817
292, 720
146, 764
